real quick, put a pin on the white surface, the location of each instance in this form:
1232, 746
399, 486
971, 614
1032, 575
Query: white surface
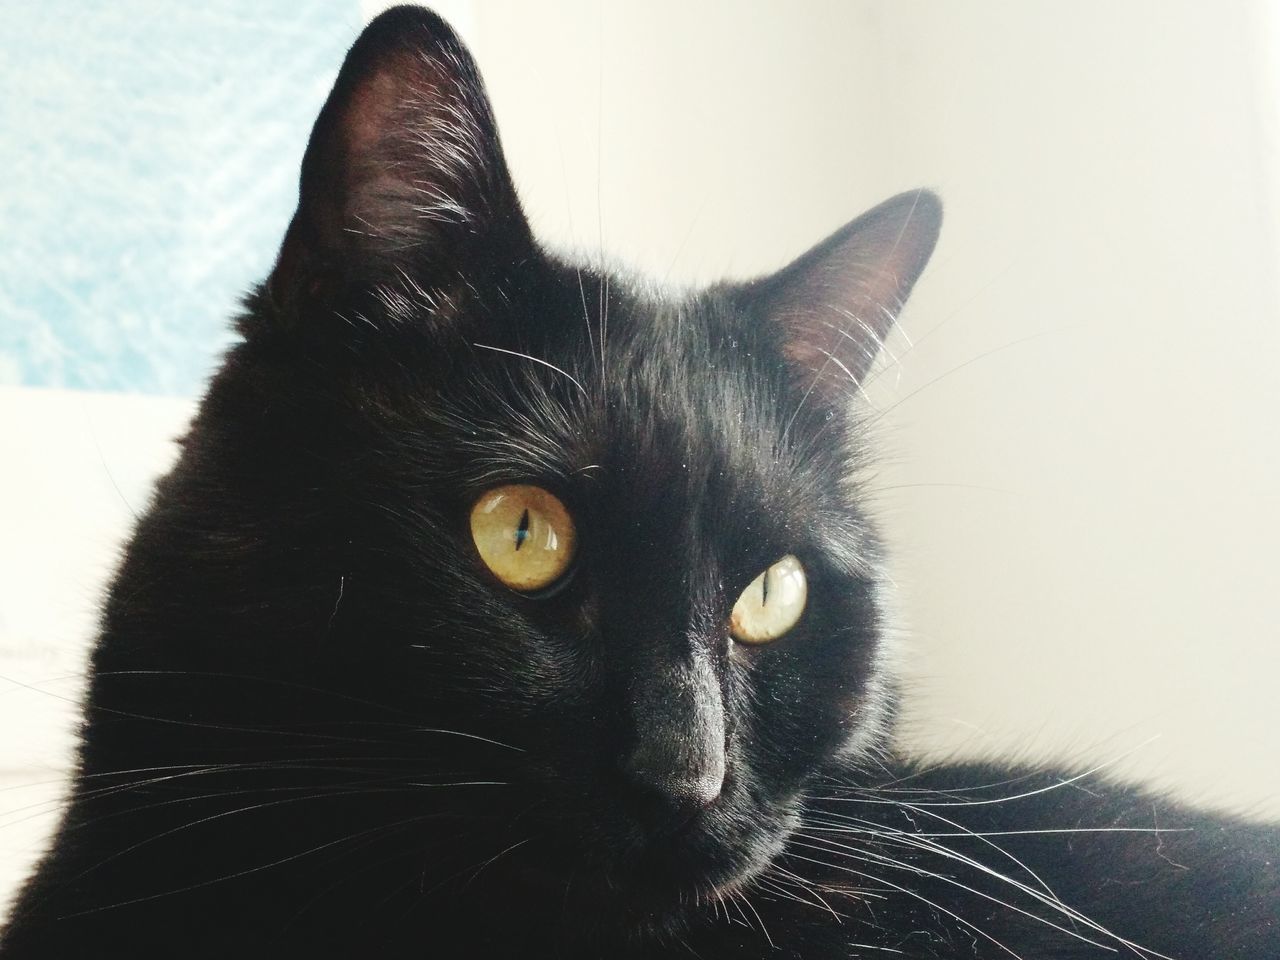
1083, 467
78, 466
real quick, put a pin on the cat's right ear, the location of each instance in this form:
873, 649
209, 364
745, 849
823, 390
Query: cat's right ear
403, 175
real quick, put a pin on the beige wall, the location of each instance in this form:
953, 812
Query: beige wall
1082, 464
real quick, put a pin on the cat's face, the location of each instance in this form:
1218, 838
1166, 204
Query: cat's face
618, 533
659, 746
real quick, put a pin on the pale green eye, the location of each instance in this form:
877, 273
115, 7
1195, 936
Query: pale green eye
524, 535
771, 604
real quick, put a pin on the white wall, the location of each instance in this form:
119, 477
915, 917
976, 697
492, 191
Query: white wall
1082, 468
1082, 465
79, 465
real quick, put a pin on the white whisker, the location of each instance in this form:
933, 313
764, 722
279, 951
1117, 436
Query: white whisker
525, 356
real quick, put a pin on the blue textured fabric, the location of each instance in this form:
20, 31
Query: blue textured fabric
149, 159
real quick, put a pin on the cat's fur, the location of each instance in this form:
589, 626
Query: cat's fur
316, 727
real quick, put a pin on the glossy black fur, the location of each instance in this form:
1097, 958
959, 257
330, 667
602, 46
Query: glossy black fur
318, 727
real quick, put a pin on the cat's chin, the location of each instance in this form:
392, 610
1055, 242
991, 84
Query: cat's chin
657, 888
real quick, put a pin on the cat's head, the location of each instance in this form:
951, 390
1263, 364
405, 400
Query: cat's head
533, 503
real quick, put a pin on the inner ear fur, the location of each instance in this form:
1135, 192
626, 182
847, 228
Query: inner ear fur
403, 173
837, 302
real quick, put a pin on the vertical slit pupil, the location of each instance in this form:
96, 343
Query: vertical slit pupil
522, 531
764, 589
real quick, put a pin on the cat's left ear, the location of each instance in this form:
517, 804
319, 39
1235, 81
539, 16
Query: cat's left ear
836, 303
403, 174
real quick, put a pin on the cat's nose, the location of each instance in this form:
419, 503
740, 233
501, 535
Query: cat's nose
665, 802
675, 767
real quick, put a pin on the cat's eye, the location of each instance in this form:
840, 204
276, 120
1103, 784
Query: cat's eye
524, 535
772, 603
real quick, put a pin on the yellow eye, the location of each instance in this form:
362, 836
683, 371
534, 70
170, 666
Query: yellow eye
771, 604
524, 535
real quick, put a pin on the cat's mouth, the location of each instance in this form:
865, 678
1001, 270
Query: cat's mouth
651, 884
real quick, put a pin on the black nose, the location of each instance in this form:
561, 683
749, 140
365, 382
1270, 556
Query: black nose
675, 764
666, 804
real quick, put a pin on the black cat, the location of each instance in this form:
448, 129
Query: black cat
498, 608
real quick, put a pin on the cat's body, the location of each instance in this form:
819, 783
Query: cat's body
319, 724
